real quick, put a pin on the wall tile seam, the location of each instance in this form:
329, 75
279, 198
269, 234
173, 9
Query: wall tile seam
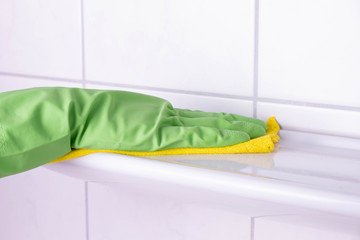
253, 223
301, 130
171, 90
236, 97
86, 201
252, 228
275, 215
206, 94
228, 96
308, 104
256, 57
41, 77
82, 43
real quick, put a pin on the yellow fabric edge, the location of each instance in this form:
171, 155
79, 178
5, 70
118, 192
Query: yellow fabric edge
263, 144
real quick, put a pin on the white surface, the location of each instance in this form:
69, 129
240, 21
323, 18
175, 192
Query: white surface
298, 227
190, 45
194, 102
42, 205
312, 119
300, 176
10, 83
198, 46
140, 210
309, 51
41, 38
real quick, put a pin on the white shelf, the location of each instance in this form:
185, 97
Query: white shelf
306, 170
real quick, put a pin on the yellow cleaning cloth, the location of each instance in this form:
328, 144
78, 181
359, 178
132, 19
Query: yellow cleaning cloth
263, 144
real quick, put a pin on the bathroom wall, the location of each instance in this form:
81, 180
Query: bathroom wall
297, 60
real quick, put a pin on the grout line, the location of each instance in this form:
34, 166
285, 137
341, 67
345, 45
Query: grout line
273, 215
82, 43
309, 104
252, 224
41, 77
207, 94
252, 228
86, 212
294, 129
170, 90
256, 57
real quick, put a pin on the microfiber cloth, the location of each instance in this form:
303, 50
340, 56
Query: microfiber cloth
264, 144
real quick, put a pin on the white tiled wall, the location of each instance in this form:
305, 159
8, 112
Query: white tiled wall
309, 51
297, 60
129, 211
299, 227
255, 58
192, 45
192, 101
39, 204
314, 119
291, 59
41, 38
11, 83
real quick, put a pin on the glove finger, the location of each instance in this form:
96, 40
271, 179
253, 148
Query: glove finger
252, 129
183, 136
227, 116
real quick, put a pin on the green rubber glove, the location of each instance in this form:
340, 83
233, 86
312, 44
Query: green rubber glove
38, 125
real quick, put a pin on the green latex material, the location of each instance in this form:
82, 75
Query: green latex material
38, 125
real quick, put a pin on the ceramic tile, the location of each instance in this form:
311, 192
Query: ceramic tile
298, 227
189, 45
309, 51
41, 38
118, 211
10, 83
318, 120
41, 204
194, 102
